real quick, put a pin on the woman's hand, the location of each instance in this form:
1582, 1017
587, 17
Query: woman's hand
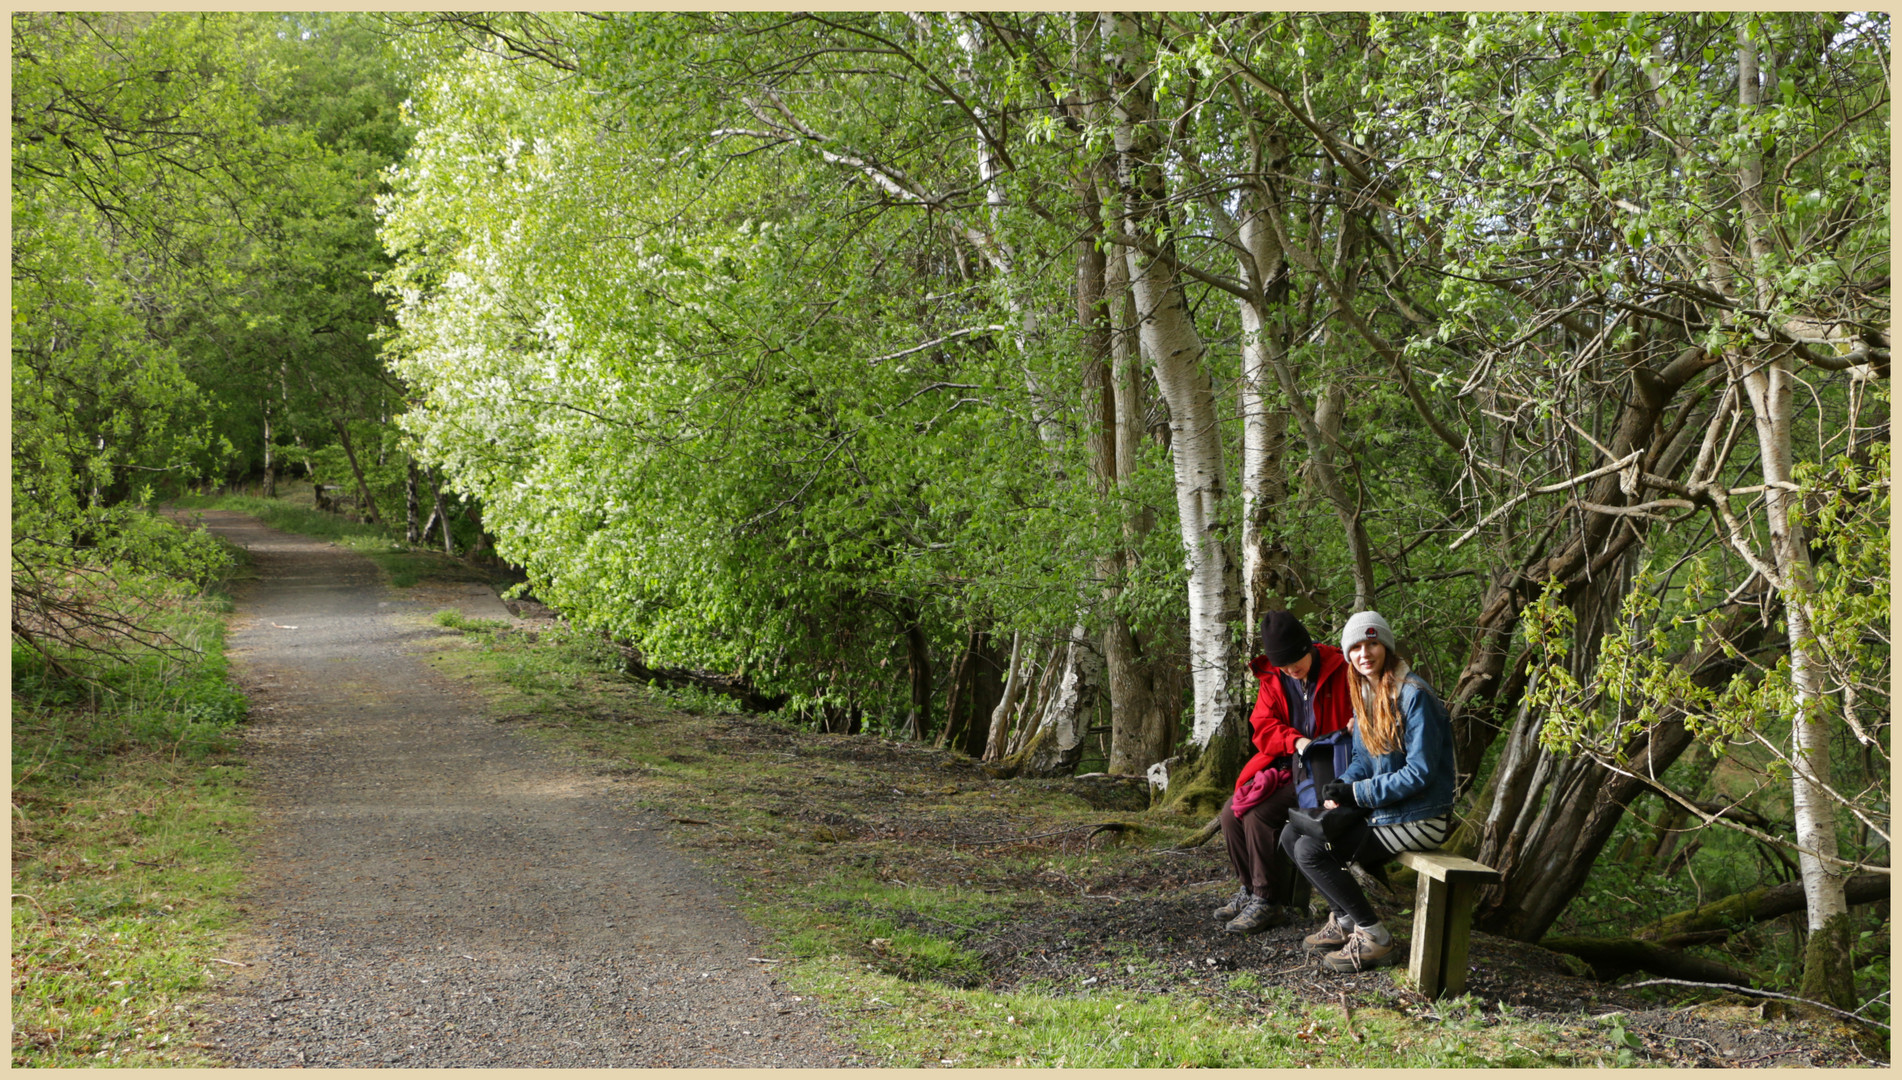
1330, 805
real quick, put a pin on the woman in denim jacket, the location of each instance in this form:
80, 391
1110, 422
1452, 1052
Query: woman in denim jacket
1401, 774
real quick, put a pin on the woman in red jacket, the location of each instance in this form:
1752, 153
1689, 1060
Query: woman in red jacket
1301, 742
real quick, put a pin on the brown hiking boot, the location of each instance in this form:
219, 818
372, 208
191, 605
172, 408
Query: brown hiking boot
1331, 936
1361, 952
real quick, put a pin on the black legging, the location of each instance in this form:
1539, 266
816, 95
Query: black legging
1327, 869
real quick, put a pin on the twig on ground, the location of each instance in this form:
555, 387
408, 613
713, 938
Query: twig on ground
1771, 1054
1688, 1038
688, 820
1758, 993
233, 963
29, 899
1347, 1017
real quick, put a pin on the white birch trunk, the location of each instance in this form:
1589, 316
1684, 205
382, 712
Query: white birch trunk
1259, 439
1768, 379
1770, 387
1013, 687
1170, 339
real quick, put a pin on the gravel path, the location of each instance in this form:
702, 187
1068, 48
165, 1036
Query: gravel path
432, 890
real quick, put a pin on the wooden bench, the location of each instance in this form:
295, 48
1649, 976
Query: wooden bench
1442, 918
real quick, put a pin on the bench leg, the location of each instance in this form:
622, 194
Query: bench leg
1425, 963
1459, 925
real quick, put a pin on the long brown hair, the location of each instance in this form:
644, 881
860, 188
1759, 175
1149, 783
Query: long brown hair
1377, 703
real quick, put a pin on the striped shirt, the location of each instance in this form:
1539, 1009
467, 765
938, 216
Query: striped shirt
1424, 835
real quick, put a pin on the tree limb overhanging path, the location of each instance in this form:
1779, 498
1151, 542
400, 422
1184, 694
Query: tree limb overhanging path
431, 889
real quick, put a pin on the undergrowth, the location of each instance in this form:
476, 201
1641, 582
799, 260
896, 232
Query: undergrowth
129, 808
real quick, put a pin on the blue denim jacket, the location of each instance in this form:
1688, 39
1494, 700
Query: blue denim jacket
1414, 782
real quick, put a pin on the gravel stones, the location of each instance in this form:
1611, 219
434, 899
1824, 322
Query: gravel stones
432, 890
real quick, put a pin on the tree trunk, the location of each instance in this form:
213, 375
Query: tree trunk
1552, 815
1013, 689
441, 516
1769, 381
1032, 714
918, 668
1139, 726
1169, 337
1136, 728
270, 455
986, 678
957, 695
363, 486
1264, 429
1486, 691
1055, 745
411, 505
976, 682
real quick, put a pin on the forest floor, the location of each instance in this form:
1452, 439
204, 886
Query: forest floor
487, 846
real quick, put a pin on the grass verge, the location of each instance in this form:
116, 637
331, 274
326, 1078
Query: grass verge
129, 810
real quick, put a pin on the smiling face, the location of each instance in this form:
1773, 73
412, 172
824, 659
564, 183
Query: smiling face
1368, 656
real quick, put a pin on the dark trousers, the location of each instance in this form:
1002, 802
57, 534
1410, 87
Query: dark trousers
1326, 868
1253, 846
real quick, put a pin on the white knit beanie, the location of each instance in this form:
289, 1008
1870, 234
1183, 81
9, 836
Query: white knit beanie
1366, 624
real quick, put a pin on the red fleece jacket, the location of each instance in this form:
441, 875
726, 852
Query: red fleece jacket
1273, 735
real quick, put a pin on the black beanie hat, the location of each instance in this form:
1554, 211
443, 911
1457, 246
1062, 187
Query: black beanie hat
1283, 639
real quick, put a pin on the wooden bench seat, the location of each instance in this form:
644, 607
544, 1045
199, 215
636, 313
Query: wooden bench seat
1442, 918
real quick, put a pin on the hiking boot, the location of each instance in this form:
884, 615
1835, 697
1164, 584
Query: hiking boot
1331, 936
1361, 952
1234, 907
1258, 915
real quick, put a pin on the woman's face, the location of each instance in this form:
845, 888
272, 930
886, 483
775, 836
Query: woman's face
1368, 657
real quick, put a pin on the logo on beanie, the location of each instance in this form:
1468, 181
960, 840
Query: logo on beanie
1372, 633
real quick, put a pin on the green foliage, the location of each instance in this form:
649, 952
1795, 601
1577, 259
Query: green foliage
1637, 683
697, 457
167, 170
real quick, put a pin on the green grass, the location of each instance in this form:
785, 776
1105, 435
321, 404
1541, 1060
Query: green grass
129, 810
912, 1024
456, 620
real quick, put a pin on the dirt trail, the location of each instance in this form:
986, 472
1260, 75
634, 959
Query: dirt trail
432, 890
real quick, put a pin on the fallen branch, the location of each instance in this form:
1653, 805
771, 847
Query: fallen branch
1756, 905
1200, 836
1757, 993
1612, 958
